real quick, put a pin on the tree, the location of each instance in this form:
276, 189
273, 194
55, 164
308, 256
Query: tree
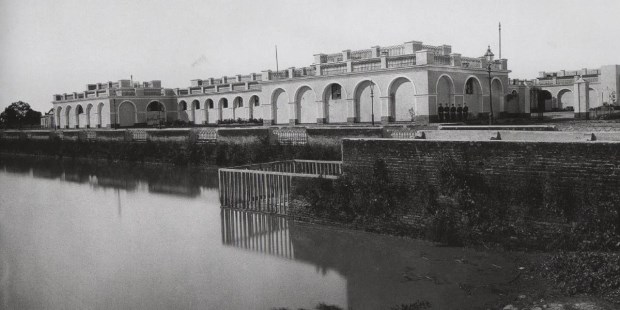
19, 114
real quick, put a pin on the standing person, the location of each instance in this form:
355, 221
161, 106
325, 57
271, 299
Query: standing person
453, 113
446, 113
440, 113
465, 111
459, 112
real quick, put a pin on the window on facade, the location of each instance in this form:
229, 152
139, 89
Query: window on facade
240, 103
183, 106
197, 105
225, 104
256, 102
336, 91
210, 104
154, 106
80, 110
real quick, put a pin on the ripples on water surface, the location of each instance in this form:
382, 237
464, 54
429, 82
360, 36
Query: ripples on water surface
98, 236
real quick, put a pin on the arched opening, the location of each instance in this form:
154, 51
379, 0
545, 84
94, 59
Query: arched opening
498, 96
79, 116
100, 115
58, 117
209, 116
127, 114
88, 115
445, 91
364, 104
401, 105
155, 113
472, 96
195, 117
224, 111
238, 108
565, 100
253, 106
335, 104
279, 103
68, 117
305, 106
183, 111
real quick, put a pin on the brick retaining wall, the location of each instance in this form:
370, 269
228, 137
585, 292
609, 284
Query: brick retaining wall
593, 164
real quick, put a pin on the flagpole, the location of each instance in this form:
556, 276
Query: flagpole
277, 69
500, 40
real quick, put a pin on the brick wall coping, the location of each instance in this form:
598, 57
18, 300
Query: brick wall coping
498, 127
478, 141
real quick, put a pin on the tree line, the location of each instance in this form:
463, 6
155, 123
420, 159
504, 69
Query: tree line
19, 115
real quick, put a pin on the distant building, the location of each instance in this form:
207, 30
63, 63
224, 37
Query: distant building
578, 90
407, 83
115, 104
47, 119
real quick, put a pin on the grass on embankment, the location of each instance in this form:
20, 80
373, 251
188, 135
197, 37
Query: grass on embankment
580, 235
176, 153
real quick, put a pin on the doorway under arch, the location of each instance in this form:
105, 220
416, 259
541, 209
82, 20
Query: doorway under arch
305, 106
254, 106
334, 102
155, 113
472, 95
127, 114
565, 99
402, 105
68, 117
445, 91
279, 103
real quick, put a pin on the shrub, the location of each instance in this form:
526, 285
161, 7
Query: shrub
465, 207
593, 273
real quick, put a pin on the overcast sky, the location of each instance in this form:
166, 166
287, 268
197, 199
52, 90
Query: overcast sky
57, 46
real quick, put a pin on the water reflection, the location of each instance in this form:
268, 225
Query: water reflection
62, 245
381, 271
157, 178
258, 232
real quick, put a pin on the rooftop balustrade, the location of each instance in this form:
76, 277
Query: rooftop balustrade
408, 54
113, 89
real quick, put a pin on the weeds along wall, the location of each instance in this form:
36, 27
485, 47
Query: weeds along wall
590, 165
536, 195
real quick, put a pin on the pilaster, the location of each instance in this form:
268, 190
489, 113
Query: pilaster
581, 98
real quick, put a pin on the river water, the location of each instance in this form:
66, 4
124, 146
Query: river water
98, 236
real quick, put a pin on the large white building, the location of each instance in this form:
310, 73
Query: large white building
397, 83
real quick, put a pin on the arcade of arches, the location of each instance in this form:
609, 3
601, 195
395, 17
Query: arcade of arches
353, 99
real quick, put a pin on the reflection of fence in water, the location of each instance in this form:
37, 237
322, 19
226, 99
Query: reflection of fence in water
258, 232
267, 187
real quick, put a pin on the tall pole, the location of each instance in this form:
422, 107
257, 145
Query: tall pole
277, 69
372, 102
490, 95
500, 40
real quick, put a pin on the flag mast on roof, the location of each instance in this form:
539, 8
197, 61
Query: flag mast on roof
500, 40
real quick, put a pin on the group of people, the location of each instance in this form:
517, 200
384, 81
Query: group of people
452, 113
